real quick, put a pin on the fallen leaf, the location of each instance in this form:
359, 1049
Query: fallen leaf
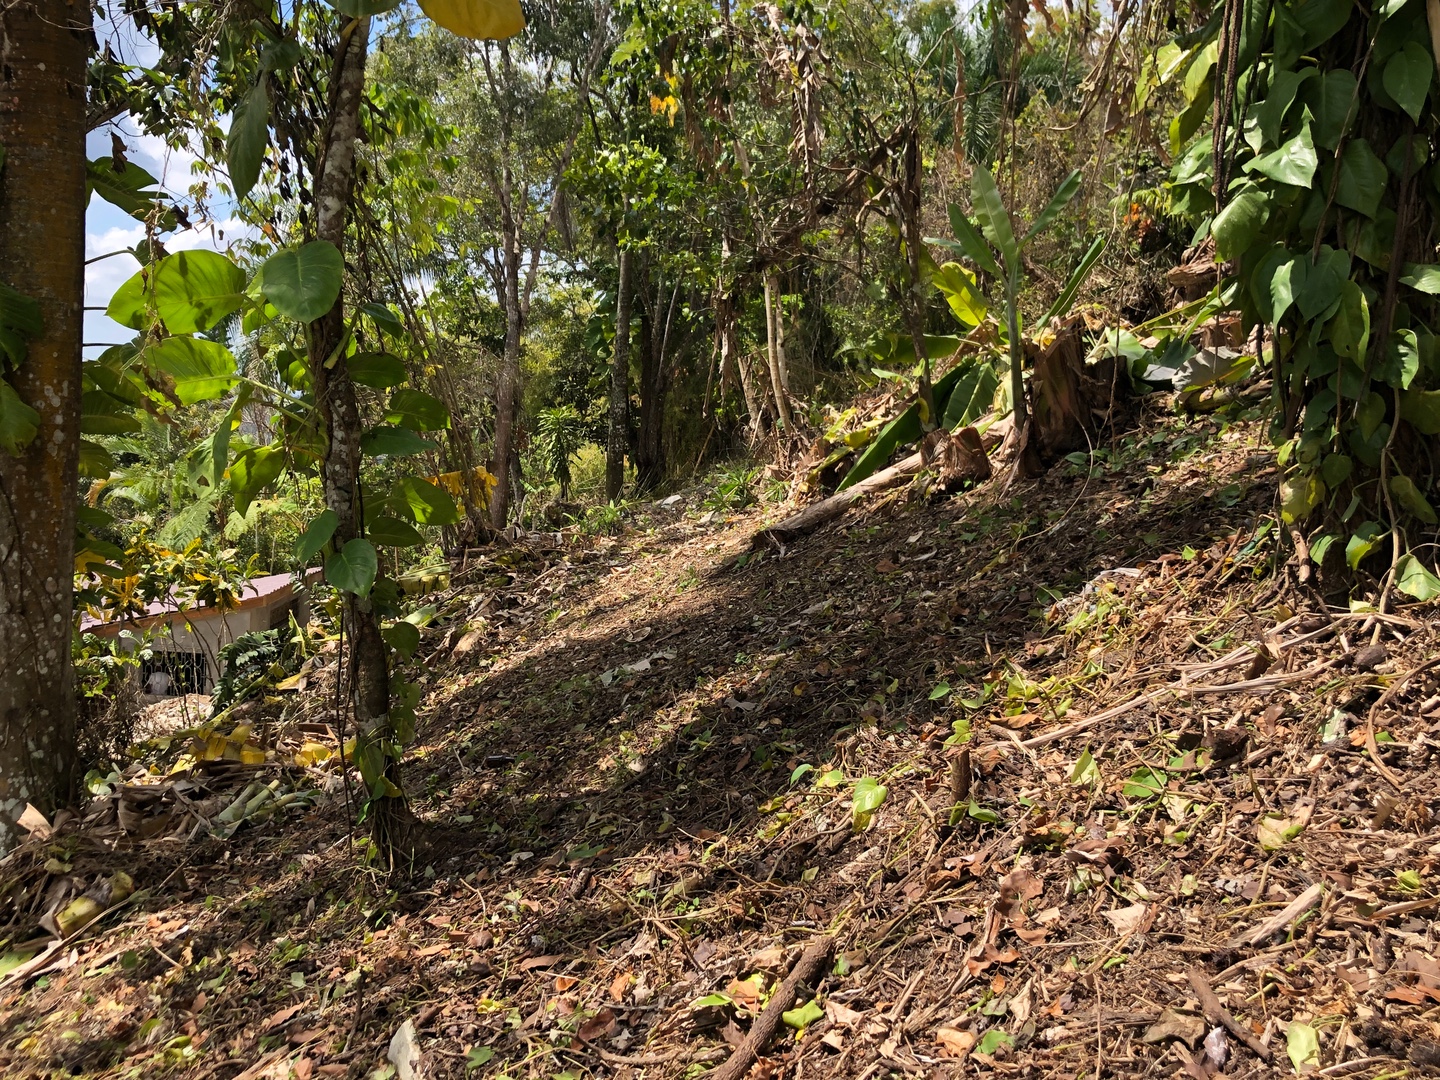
565, 982
303, 1068
1172, 1024
598, 1026
954, 1042
1134, 919
283, 1015
432, 950
540, 962
620, 985
840, 1014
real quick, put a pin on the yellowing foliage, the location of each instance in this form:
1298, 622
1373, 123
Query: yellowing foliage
485, 20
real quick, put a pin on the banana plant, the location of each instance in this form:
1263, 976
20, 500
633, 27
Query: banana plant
994, 249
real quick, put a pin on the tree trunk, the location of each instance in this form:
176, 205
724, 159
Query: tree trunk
43, 52
390, 818
507, 392
658, 321
619, 438
726, 325
777, 363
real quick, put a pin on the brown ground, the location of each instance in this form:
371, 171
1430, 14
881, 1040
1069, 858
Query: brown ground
612, 758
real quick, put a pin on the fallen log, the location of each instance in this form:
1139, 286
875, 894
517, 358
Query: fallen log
963, 454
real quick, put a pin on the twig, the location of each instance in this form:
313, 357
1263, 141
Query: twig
811, 961
1282, 919
1216, 1013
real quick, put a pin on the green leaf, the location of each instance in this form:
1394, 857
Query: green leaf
245, 143
377, 370
982, 814
1350, 326
97, 463
1061, 307
1287, 283
866, 799
20, 321
1299, 495
1068, 189
1413, 578
942, 689
1336, 469
1270, 113
1404, 491
1320, 20
392, 532
1302, 1043
972, 397
1363, 541
994, 219
316, 535
19, 423
1421, 408
1145, 783
1274, 831
427, 504
958, 285
105, 414
1331, 98
417, 410
394, 442
970, 242
1086, 771
712, 1001
353, 567
126, 189
384, 319
194, 290
1402, 360
130, 304
804, 1016
1238, 226
1407, 77
304, 283
200, 369
992, 1040
253, 470
1293, 163
403, 637
1323, 281
1362, 178
1425, 278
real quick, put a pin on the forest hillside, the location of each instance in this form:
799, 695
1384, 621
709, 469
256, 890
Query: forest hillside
585, 538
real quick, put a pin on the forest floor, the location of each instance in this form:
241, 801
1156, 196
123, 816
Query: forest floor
1149, 809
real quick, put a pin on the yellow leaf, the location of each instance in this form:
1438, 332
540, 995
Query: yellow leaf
252, 755
312, 753
484, 20
214, 748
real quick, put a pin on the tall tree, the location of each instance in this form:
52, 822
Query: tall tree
43, 52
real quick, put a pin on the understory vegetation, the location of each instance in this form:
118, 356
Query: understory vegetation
594, 538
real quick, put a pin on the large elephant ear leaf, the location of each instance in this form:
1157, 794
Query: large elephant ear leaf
482, 20
194, 290
970, 243
304, 283
993, 217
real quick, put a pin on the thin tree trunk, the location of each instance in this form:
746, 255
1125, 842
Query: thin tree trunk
726, 325
777, 374
618, 440
654, 384
340, 421
43, 52
507, 391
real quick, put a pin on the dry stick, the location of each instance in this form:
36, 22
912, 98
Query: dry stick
811, 961
1216, 1013
1282, 919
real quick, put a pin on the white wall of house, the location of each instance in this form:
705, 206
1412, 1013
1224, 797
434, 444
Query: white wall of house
205, 634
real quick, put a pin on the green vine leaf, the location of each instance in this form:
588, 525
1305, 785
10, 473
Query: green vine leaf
1407, 77
353, 567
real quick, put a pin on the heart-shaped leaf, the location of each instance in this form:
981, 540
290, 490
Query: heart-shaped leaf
353, 567
304, 283
315, 536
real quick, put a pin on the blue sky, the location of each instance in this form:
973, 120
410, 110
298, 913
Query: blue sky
109, 229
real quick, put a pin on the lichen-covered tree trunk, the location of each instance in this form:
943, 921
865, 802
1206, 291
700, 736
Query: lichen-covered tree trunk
619, 435
778, 376
340, 418
43, 52
657, 320
507, 389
